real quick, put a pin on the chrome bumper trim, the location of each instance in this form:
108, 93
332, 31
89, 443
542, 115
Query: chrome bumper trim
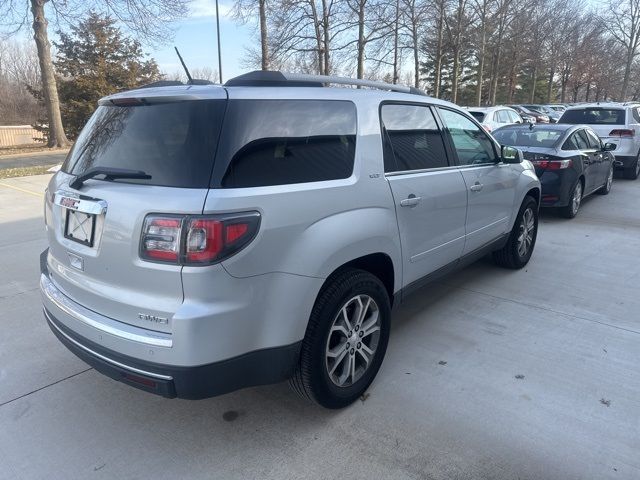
102, 357
82, 314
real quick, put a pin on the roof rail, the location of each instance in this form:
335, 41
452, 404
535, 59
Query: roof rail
284, 79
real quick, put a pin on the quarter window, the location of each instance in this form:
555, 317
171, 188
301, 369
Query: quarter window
472, 145
413, 140
594, 141
581, 140
277, 142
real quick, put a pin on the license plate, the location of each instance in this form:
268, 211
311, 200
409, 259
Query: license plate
80, 227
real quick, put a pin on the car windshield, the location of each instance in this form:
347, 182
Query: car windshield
479, 116
526, 137
594, 116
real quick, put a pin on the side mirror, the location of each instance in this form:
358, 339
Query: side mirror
510, 155
609, 147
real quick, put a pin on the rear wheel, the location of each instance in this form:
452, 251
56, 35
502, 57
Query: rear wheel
633, 171
571, 210
606, 188
519, 247
346, 340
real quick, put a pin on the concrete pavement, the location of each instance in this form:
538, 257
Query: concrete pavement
490, 374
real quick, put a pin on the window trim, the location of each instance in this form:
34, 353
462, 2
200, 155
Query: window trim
447, 134
384, 137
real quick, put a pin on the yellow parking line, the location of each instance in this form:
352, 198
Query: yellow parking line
22, 190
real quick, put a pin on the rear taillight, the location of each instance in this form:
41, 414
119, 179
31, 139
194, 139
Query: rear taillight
196, 240
622, 132
552, 164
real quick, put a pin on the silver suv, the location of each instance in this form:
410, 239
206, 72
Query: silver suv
206, 238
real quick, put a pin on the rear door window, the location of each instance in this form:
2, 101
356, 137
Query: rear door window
278, 142
581, 140
172, 142
502, 116
413, 140
593, 139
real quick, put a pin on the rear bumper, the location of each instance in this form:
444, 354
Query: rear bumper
154, 363
254, 368
556, 187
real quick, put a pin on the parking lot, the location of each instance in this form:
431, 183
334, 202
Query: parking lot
490, 374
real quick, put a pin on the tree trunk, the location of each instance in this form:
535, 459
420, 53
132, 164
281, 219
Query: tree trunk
534, 79
587, 91
480, 74
263, 35
550, 85
318, 34
57, 138
627, 73
361, 42
416, 59
438, 65
395, 43
326, 37
496, 70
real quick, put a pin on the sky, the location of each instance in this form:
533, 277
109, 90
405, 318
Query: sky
195, 37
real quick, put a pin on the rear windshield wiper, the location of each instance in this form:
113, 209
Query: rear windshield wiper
109, 174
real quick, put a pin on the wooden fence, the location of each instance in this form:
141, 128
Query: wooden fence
19, 135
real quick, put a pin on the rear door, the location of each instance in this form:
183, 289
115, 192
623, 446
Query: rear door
601, 158
491, 185
590, 162
94, 230
429, 193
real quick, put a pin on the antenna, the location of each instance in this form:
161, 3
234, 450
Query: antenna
186, 70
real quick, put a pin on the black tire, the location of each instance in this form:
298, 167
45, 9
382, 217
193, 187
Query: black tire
606, 188
571, 209
510, 255
312, 379
633, 171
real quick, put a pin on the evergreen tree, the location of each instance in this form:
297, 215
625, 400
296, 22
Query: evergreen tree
93, 60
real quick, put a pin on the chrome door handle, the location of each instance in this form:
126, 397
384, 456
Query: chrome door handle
410, 201
476, 187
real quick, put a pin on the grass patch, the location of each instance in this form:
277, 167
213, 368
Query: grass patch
24, 171
26, 149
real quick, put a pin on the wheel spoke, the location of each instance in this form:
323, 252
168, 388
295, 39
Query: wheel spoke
365, 356
338, 361
345, 317
362, 313
337, 350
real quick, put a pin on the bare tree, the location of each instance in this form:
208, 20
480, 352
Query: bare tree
623, 24
148, 18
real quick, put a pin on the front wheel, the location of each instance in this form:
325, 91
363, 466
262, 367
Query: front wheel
346, 340
519, 247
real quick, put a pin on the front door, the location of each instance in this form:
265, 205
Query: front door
429, 193
491, 184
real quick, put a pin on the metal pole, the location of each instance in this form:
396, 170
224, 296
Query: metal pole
219, 49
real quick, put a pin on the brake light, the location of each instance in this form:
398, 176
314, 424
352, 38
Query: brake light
197, 240
553, 164
623, 132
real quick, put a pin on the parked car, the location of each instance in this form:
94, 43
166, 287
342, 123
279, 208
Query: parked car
543, 109
206, 238
495, 117
614, 123
560, 108
540, 117
570, 160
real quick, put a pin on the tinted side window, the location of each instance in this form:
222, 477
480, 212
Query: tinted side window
413, 138
636, 114
515, 118
472, 145
594, 141
581, 140
571, 143
277, 142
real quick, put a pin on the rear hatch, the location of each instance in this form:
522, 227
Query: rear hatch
95, 229
608, 122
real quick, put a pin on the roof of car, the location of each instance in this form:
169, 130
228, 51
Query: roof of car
599, 105
487, 109
543, 126
294, 86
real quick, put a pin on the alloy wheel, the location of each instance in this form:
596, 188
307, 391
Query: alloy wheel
353, 340
525, 236
577, 198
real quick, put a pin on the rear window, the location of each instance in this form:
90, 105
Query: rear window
277, 142
479, 116
526, 137
594, 116
173, 142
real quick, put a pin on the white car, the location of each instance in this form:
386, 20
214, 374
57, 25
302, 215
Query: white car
492, 118
617, 123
